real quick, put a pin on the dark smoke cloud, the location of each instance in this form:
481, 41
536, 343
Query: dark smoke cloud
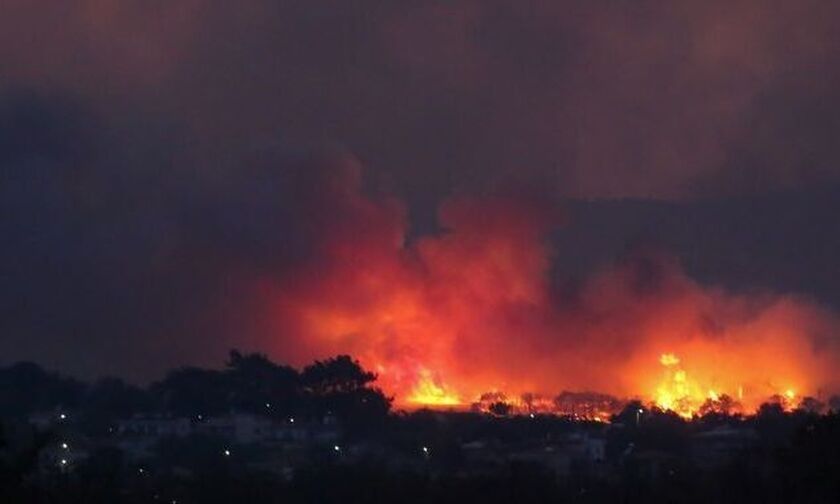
158, 157
607, 99
113, 255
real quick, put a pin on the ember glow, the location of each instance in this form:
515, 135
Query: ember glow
448, 317
685, 396
688, 396
428, 393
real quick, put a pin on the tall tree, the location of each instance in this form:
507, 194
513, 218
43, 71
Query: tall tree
193, 391
339, 374
258, 385
26, 388
341, 386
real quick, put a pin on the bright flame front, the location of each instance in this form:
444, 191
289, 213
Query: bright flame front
429, 393
687, 396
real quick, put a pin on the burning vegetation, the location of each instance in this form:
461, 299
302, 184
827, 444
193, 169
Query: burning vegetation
443, 318
677, 392
584, 406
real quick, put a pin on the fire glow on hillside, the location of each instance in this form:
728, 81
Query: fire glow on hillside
677, 391
445, 318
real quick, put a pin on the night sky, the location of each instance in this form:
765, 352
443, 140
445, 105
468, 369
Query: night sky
167, 166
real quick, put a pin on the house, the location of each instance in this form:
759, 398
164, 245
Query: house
156, 426
721, 445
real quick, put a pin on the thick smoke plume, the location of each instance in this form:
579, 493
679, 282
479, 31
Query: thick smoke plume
446, 317
151, 214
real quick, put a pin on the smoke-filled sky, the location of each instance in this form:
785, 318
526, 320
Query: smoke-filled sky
515, 191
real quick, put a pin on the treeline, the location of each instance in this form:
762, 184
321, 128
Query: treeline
248, 383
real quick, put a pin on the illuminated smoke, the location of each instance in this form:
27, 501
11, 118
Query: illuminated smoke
449, 317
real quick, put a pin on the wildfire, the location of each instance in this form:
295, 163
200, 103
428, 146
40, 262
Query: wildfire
676, 392
477, 304
669, 359
688, 397
429, 393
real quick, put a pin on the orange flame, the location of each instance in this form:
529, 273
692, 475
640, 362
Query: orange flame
428, 393
449, 317
683, 394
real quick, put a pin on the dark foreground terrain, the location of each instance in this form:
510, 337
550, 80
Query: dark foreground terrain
260, 432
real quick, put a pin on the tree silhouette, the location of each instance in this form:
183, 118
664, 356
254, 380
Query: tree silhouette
632, 414
528, 399
812, 405
500, 408
340, 374
724, 405
341, 387
192, 391
26, 388
258, 385
114, 398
